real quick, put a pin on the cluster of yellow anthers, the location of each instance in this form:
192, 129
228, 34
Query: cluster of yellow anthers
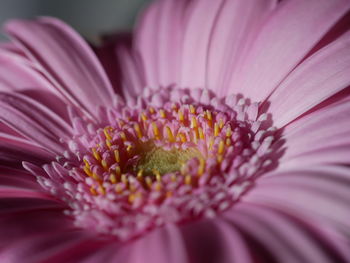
204, 125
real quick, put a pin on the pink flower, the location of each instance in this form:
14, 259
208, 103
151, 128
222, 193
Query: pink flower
220, 135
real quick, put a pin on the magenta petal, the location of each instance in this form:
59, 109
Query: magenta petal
320, 191
284, 237
41, 248
310, 134
315, 80
34, 121
211, 241
196, 41
158, 40
286, 37
233, 34
162, 245
75, 71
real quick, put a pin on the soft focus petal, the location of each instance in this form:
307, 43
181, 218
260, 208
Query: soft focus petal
284, 238
210, 241
65, 59
321, 192
310, 134
316, 79
234, 31
162, 245
34, 121
158, 41
288, 35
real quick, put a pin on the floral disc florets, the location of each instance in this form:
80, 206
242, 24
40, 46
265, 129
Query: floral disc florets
174, 155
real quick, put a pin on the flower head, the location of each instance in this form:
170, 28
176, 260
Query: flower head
223, 137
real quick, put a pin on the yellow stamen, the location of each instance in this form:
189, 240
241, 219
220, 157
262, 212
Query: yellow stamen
192, 109
201, 166
118, 188
221, 147
104, 164
201, 133
157, 174
144, 116
181, 116
188, 179
152, 110
138, 130
209, 116
93, 191
102, 190
139, 175
155, 130
123, 136
162, 113
170, 134
221, 123
158, 186
112, 178
116, 156
149, 182
132, 198
216, 129
117, 170
228, 141
220, 158
87, 171
182, 137
228, 132
128, 149
193, 122
96, 154
174, 107
109, 144
173, 178
124, 179
86, 163
96, 177
108, 136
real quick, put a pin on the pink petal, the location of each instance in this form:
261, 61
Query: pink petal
233, 34
286, 239
41, 248
17, 178
198, 33
289, 34
321, 129
17, 73
162, 245
319, 191
65, 59
8, 192
316, 79
34, 121
158, 41
209, 241
132, 81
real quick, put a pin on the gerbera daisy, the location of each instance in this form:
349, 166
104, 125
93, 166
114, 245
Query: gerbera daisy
218, 134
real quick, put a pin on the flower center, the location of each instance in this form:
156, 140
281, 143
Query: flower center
185, 155
157, 161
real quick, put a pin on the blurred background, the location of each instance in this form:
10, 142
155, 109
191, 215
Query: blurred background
89, 17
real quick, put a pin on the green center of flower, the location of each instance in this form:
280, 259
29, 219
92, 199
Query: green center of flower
155, 160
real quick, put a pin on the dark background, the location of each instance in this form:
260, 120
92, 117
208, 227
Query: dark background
89, 17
